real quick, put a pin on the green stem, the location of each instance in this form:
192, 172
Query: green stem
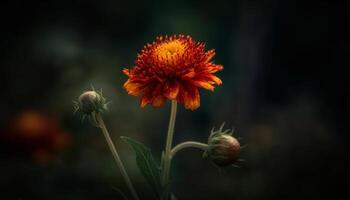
167, 155
116, 156
188, 144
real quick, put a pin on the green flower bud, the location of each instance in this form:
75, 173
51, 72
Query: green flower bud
223, 148
89, 104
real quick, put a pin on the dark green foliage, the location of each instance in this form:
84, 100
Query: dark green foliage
147, 165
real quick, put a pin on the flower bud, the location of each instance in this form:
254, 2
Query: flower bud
223, 148
90, 102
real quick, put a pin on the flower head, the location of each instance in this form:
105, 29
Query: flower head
89, 104
172, 68
36, 135
223, 148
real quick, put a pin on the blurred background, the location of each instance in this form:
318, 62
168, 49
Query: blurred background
283, 92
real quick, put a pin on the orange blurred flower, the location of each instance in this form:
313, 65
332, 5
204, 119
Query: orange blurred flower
172, 68
36, 134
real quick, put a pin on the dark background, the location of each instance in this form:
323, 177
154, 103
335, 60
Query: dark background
283, 91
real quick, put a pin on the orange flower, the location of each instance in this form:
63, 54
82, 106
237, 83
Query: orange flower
172, 68
35, 134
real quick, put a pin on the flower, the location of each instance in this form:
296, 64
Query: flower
91, 101
223, 148
172, 68
89, 104
35, 134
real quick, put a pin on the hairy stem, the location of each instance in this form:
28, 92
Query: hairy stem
167, 155
116, 156
188, 144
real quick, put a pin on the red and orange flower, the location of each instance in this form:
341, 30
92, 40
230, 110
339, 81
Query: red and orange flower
35, 134
172, 68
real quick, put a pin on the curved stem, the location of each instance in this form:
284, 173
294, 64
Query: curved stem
188, 144
167, 155
116, 156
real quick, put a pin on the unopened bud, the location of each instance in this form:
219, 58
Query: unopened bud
90, 103
223, 148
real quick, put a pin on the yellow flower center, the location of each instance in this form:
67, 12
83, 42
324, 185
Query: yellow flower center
169, 50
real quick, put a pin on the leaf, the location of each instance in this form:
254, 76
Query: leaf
146, 164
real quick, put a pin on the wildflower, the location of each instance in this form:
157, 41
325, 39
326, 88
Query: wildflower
89, 102
37, 135
223, 149
172, 68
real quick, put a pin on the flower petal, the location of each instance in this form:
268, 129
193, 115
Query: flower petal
209, 55
126, 72
212, 68
153, 95
133, 88
157, 101
148, 94
203, 84
190, 74
212, 79
215, 79
145, 99
191, 98
171, 90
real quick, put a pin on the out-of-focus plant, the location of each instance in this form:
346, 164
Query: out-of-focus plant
37, 135
91, 105
171, 68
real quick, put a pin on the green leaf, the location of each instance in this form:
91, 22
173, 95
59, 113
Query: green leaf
146, 164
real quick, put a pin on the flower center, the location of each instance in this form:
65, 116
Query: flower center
169, 50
